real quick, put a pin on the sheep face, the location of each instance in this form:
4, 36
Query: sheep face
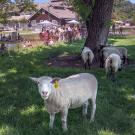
44, 87
44, 90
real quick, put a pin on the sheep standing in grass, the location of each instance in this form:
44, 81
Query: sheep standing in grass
124, 54
87, 56
105, 52
71, 92
112, 65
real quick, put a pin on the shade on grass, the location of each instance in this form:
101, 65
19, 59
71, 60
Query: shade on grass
22, 110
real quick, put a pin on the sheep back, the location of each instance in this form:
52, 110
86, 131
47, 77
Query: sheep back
87, 54
112, 63
73, 91
123, 51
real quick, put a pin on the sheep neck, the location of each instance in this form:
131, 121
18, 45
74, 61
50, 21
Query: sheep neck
55, 98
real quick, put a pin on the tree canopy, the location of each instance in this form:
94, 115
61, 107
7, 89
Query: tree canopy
25, 5
4, 7
122, 9
7, 6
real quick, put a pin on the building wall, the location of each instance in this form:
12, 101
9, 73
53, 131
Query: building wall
44, 15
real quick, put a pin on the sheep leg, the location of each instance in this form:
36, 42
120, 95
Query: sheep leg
64, 114
89, 65
85, 108
107, 74
124, 60
101, 63
113, 76
127, 59
110, 75
52, 117
85, 65
93, 109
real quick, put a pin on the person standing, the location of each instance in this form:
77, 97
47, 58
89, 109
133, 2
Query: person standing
46, 37
113, 28
121, 30
70, 34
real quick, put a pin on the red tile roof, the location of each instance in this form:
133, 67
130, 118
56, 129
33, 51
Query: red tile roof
58, 10
61, 13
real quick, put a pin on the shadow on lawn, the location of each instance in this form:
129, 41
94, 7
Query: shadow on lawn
22, 107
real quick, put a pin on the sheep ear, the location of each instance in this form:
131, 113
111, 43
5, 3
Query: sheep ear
54, 80
34, 79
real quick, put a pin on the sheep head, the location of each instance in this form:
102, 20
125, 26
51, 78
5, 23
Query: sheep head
44, 86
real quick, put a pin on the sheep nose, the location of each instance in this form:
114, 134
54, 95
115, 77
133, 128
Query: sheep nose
44, 93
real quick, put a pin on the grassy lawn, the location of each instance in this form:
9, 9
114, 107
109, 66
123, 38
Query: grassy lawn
22, 110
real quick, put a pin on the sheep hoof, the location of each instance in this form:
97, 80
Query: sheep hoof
65, 129
91, 120
50, 127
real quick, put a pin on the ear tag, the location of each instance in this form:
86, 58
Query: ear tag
56, 84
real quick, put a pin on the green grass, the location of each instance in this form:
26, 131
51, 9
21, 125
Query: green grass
22, 110
128, 42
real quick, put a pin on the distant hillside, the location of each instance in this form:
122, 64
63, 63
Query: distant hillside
124, 9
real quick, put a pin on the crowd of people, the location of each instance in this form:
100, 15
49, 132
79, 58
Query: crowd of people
65, 34
117, 29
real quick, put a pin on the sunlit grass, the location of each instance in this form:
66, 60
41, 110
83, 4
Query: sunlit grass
7, 130
31, 110
106, 132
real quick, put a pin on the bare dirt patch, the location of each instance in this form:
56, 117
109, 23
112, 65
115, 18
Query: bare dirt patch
74, 61
67, 61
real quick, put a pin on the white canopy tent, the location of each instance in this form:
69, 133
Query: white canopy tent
47, 23
73, 22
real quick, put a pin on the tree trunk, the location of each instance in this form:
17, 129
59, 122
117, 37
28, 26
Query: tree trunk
98, 25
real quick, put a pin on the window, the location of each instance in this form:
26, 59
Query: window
33, 22
54, 21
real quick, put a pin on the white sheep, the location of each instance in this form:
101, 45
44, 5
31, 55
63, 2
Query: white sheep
124, 54
106, 51
112, 65
87, 56
71, 92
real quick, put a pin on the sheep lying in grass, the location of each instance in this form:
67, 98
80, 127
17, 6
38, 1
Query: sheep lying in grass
71, 92
87, 57
112, 65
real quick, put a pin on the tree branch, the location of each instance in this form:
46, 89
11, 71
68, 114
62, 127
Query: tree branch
88, 2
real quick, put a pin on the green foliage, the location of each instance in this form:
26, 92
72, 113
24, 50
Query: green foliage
25, 5
123, 9
134, 17
81, 8
108, 23
4, 8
